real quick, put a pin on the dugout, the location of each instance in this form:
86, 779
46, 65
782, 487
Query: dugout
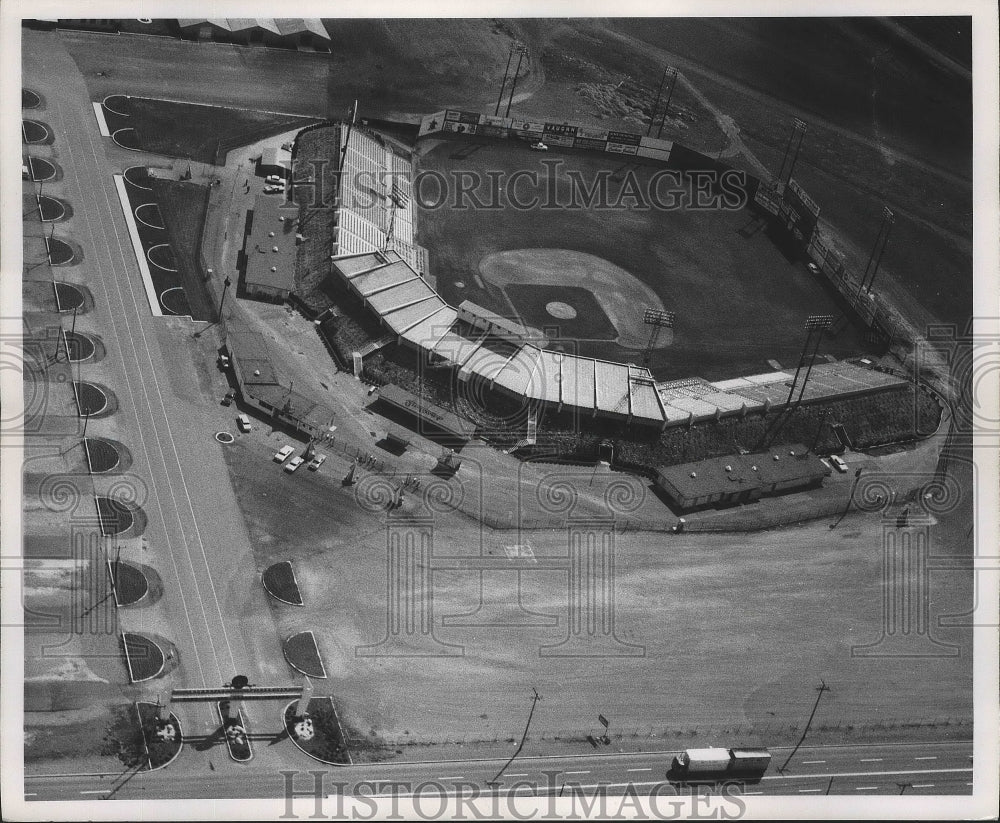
431, 421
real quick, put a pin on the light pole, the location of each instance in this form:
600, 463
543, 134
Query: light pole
878, 249
657, 319
225, 287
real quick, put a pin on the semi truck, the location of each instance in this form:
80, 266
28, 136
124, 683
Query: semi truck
719, 764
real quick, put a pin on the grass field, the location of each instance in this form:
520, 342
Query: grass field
739, 300
202, 133
182, 206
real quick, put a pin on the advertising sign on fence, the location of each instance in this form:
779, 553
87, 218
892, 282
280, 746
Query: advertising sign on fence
525, 125
431, 123
560, 128
559, 140
461, 128
490, 120
588, 143
491, 131
624, 138
591, 134
618, 148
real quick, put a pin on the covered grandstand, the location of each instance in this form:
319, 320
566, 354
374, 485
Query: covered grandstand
479, 347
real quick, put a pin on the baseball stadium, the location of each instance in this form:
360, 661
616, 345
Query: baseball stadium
524, 319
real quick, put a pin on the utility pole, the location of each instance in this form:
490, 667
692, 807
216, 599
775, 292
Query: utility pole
820, 688
520, 745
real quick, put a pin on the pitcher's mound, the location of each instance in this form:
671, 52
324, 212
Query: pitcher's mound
547, 285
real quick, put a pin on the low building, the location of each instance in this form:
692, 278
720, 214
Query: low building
270, 250
741, 478
262, 388
275, 161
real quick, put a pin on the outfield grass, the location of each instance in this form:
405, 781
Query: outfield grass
202, 133
739, 301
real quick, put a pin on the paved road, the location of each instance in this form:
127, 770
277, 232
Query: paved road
913, 768
196, 538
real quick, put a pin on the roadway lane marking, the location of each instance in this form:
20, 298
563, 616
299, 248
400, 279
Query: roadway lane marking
639, 770
803, 791
810, 762
586, 772
928, 757
453, 777
162, 408
106, 286
525, 774
35, 794
753, 792
862, 774
865, 788
922, 786
871, 759
94, 791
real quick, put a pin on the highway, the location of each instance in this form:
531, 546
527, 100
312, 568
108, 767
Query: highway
883, 769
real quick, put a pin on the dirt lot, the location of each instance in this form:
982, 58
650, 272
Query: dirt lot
739, 300
727, 629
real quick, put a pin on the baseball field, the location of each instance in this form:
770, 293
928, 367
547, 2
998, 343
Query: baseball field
583, 271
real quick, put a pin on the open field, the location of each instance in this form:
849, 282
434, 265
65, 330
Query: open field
739, 300
722, 639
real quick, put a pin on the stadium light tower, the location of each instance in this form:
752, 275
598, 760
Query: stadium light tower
815, 325
878, 249
522, 52
506, 74
666, 104
799, 128
657, 319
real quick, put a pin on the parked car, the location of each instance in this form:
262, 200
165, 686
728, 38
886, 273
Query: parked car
274, 179
271, 189
539, 146
229, 398
293, 464
838, 464
282, 454
243, 422
223, 361
813, 268
316, 462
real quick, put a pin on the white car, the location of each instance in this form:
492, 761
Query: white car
293, 464
272, 189
813, 268
539, 146
243, 422
283, 454
838, 464
316, 462
274, 179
